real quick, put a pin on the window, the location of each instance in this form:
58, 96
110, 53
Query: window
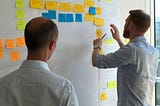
157, 43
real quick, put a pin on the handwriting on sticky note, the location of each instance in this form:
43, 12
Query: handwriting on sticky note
19, 3
98, 33
112, 84
39, 4
21, 24
99, 21
89, 3
98, 10
51, 5
103, 96
10, 43
89, 17
20, 42
79, 8
1, 44
20, 14
108, 41
66, 6
14, 55
1, 52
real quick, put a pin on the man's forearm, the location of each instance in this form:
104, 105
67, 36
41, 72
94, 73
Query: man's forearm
94, 54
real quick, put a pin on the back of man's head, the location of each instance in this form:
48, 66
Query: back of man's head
141, 20
39, 32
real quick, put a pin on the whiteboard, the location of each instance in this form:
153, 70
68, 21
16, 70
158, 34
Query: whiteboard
72, 58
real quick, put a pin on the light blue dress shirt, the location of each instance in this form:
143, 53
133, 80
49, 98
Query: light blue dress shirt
33, 84
137, 64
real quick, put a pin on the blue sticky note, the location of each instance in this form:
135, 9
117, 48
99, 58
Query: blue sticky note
61, 17
50, 15
78, 18
69, 18
92, 10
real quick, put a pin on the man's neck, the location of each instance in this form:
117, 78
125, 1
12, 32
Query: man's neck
37, 56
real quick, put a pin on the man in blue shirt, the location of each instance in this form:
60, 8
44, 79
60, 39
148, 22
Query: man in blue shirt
137, 61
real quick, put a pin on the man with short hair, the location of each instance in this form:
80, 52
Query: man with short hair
33, 84
137, 61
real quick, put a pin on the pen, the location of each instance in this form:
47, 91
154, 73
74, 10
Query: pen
103, 36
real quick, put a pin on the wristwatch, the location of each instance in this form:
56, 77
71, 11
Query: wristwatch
97, 47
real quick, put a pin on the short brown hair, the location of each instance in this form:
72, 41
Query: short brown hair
141, 20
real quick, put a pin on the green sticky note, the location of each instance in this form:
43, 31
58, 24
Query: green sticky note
112, 84
20, 14
108, 0
20, 24
19, 4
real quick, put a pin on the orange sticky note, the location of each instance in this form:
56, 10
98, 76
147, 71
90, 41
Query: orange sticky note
39, 4
89, 3
20, 42
51, 5
89, 17
98, 10
10, 43
1, 45
1, 52
66, 6
99, 21
79, 8
103, 96
14, 55
98, 33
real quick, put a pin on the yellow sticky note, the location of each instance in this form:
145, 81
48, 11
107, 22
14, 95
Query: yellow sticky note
1, 52
39, 4
112, 84
108, 0
21, 24
103, 96
99, 21
1, 45
101, 51
20, 14
66, 6
79, 8
20, 42
51, 5
98, 33
89, 17
98, 10
14, 55
10, 43
19, 3
127, 41
108, 41
89, 3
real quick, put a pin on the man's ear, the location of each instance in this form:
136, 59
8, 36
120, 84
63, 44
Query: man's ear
52, 45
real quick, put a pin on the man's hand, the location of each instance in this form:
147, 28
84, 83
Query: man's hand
97, 42
115, 35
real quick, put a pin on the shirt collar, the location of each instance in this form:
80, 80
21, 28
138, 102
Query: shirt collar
139, 38
35, 64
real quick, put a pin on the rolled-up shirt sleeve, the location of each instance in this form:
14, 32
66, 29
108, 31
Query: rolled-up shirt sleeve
116, 59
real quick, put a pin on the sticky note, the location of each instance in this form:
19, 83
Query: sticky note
50, 15
20, 42
101, 51
99, 21
92, 10
19, 3
108, 41
79, 8
14, 55
20, 14
51, 5
61, 18
39, 4
127, 41
1, 45
89, 3
66, 6
10, 43
103, 96
69, 18
112, 84
89, 17
21, 24
78, 18
1, 52
98, 10
108, 0
98, 33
